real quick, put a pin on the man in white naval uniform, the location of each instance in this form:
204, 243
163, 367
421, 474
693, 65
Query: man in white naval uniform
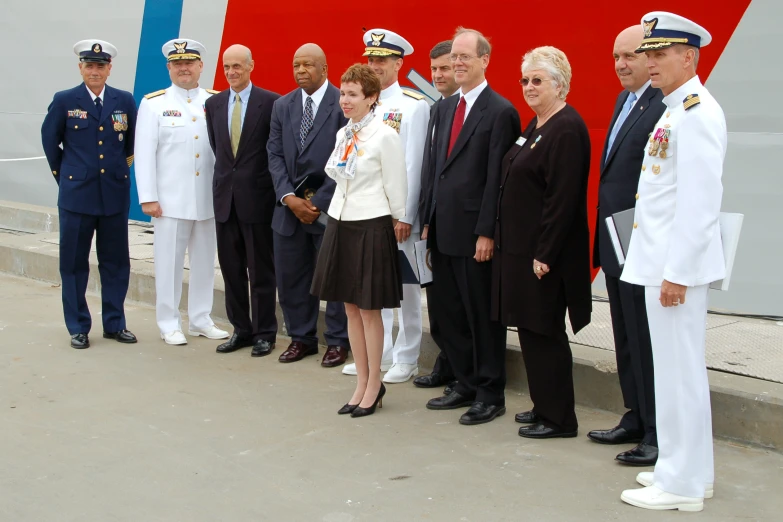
406, 112
174, 181
675, 253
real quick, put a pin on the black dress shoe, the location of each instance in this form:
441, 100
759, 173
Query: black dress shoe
262, 348
527, 417
432, 380
480, 413
80, 341
449, 389
616, 435
123, 336
235, 343
542, 431
642, 455
449, 402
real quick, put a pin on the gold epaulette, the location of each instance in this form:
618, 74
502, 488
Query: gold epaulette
413, 94
212, 91
129, 159
153, 94
690, 101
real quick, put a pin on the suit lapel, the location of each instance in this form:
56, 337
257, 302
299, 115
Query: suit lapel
221, 120
636, 112
296, 112
617, 108
326, 108
471, 122
516, 149
86, 103
251, 119
444, 130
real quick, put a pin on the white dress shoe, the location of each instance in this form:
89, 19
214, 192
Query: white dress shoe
350, 369
401, 372
175, 337
651, 497
645, 478
210, 332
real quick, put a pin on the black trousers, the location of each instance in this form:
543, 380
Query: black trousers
442, 365
295, 257
459, 303
246, 256
549, 365
633, 349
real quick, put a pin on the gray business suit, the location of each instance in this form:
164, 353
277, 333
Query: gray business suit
295, 244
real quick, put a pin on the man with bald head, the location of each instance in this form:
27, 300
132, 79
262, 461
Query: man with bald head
637, 109
244, 198
303, 132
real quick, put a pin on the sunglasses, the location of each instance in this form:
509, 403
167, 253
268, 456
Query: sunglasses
535, 81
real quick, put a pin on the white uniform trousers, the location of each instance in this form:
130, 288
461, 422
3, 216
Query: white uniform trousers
408, 344
682, 393
172, 237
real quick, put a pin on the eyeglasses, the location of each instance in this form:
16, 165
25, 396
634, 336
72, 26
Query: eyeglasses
535, 81
461, 57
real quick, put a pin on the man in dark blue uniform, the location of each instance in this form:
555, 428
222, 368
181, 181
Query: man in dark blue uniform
87, 137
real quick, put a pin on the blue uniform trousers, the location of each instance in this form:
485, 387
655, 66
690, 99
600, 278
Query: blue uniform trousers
76, 232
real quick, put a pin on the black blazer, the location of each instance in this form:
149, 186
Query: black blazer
465, 185
425, 196
620, 170
290, 163
245, 180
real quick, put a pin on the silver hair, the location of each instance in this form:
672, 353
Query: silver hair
553, 61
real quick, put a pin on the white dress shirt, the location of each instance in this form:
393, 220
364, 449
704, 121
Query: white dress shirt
470, 97
101, 95
317, 97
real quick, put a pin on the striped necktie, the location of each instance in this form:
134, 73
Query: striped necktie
307, 121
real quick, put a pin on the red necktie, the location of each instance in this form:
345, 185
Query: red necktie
456, 126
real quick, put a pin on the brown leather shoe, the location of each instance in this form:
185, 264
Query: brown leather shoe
334, 356
297, 351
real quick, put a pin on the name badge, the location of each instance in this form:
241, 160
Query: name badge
521, 141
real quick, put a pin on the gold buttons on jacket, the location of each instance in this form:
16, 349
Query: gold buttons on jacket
194, 118
196, 173
644, 167
100, 143
361, 152
197, 155
54, 172
188, 100
656, 169
637, 196
196, 137
102, 171
100, 128
668, 114
75, 126
70, 177
635, 225
101, 156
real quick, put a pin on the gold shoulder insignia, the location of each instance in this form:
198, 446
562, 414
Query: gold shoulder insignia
413, 94
153, 94
212, 91
690, 101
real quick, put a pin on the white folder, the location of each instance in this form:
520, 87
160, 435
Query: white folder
423, 262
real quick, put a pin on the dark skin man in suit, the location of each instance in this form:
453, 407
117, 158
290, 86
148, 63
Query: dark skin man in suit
238, 123
621, 162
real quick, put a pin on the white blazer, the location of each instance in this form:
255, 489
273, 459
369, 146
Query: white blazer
676, 233
380, 187
174, 162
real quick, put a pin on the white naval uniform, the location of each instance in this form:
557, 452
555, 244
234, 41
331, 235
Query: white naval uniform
676, 237
174, 166
411, 114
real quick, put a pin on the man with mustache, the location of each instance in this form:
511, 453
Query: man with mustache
174, 181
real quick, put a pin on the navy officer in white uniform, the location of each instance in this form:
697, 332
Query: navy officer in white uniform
174, 181
675, 253
408, 113
87, 136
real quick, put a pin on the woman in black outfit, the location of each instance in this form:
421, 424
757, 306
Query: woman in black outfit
542, 260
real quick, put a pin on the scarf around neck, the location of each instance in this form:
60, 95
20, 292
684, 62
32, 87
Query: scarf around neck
342, 162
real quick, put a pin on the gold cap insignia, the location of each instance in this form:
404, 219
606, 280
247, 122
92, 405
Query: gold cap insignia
649, 26
377, 39
96, 48
180, 47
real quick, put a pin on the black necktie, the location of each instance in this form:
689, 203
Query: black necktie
98, 105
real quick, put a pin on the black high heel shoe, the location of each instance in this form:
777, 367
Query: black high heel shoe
348, 408
363, 412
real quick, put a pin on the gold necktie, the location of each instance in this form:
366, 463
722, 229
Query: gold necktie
236, 124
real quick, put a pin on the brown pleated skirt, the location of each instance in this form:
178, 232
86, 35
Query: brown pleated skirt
358, 264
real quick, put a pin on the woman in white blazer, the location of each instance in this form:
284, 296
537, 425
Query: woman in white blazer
358, 263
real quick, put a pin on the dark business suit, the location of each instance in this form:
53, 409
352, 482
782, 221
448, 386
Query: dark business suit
620, 172
89, 155
244, 198
297, 244
463, 206
442, 366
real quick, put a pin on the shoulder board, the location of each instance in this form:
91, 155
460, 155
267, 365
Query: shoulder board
690, 101
212, 91
153, 94
413, 94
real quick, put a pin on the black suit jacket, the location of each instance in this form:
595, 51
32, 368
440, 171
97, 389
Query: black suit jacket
290, 163
427, 167
245, 180
620, 170
466, 184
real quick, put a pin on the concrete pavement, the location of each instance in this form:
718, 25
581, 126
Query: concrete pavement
151, 432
